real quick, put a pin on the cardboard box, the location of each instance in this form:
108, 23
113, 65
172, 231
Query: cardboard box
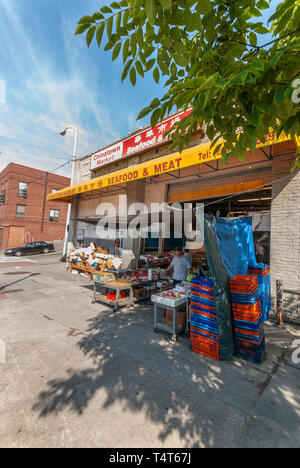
140, 292
104, 277
181, 317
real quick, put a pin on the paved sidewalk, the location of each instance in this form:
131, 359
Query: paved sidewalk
80, 375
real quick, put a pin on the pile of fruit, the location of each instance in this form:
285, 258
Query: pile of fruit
173, 294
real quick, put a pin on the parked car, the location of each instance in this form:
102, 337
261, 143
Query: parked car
31, 248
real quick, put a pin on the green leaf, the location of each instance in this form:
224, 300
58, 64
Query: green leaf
125, 17
173, 70
263, 107
126, 69
115, 5
133, 45
275, 59
166, 42
150, 11
142, 58
262, 4
86, 20
250, 130
90, 35
149, 51
167, 4
180, 60
139, 68
111, 43
99, 33
98, 16
116, 51
155, 117
140, 37
261, 29
150, 64
118, 20
144, 112
163, 66
254, 119
109, 25
155, 103
132, 76
279, 94
81, 28
203, 7
125, 50
156, 75
253, 39
106, 9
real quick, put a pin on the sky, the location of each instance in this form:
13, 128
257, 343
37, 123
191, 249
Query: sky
53, 80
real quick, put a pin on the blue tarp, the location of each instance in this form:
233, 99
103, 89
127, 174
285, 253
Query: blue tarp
264, 285
236, 245
221, 286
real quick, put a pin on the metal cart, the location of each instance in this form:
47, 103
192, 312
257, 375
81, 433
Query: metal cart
174, 330
117, 287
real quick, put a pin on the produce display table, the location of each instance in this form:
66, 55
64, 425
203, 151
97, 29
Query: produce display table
118, 287
163, 325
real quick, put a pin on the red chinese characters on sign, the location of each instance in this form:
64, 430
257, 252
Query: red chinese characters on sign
137, 143
152, 136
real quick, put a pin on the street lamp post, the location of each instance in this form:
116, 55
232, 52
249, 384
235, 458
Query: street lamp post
75, 131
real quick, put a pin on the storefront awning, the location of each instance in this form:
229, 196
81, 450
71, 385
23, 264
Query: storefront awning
196, 155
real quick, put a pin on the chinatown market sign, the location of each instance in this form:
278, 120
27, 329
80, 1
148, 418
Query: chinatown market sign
136, 143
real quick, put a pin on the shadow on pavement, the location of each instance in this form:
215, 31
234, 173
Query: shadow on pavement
171, 385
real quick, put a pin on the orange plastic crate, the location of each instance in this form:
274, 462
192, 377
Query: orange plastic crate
204, 314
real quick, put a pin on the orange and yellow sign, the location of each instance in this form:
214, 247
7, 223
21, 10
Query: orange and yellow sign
190, 157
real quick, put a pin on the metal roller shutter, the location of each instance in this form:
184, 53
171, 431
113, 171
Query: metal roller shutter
219, 185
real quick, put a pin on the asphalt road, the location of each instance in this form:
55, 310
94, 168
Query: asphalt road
80, 375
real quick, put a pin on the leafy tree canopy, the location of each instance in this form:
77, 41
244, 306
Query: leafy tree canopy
212, 57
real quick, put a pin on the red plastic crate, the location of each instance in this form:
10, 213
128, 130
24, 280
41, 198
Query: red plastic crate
113, 296
206, 347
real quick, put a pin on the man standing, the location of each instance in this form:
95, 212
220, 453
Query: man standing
188, 255
181, 267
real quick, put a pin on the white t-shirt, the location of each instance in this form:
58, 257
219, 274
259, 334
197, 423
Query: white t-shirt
180, 265
189, 256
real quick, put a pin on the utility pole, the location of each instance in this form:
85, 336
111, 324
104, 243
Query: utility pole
75, 131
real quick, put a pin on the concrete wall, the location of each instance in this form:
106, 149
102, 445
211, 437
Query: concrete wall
285, 235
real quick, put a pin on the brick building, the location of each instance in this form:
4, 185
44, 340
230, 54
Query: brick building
26, 215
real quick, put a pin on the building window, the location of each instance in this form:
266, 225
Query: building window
54, 216
20, 211
23, 189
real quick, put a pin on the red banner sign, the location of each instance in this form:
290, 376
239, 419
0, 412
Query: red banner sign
136, 143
